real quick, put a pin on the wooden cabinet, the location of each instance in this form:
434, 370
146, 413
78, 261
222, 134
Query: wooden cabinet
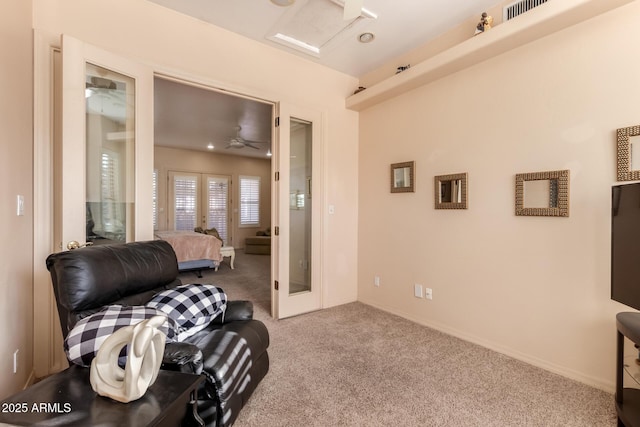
627, 398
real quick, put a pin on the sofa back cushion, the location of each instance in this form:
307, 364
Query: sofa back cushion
86, 279
86, 337
192, 306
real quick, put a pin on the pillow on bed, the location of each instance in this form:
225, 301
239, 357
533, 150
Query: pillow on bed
192, 307
213, 232
86, 337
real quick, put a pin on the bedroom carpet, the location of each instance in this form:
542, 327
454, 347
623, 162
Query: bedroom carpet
355, 365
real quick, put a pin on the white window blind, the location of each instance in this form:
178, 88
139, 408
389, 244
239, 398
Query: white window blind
186, 196
249, 200
109, 188
155, 199
217, 195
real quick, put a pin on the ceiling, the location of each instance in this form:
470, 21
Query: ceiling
400, 26
192, 117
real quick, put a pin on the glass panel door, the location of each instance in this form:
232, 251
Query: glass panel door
110, 162
199, 200
300, 207
104, 165
217, 206
102, 184
298, 244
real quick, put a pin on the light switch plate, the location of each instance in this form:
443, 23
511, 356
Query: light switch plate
417, 290
20, 205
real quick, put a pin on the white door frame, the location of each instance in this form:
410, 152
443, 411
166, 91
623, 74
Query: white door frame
48, 356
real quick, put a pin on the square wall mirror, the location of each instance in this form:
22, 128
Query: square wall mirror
451, 191
403, 177
542, 193
628, 153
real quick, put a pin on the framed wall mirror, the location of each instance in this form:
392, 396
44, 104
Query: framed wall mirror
451, 191
542, 193
628, 153
403, 177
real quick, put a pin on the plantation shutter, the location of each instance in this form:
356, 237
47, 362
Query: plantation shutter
249, 201
109, 187
155, 199
185, 194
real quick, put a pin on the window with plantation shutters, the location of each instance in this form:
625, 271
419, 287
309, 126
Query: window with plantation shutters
185, 190
249, 201
110, 192
155, 198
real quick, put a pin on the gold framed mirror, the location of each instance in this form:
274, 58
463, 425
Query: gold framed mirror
403, 177
543, 193
628, 140
451, 191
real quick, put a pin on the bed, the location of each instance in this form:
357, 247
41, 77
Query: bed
195, 251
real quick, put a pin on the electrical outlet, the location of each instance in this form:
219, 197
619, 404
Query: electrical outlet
376, 281
417, 290
428, 293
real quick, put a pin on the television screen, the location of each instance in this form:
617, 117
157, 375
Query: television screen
625, 244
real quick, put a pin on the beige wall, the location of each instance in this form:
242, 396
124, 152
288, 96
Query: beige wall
16, 253
534, 288
171, 159
188, 48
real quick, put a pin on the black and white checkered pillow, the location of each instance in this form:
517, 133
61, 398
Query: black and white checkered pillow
86, 337
193, 306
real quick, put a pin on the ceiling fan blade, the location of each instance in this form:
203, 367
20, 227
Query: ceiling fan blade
352, 9
246, 144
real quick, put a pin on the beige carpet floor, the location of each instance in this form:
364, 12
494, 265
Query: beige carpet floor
355, 365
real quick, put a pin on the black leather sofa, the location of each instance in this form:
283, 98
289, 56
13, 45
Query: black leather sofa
87, 279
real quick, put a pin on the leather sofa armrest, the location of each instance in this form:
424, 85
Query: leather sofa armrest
236, 310
182, 357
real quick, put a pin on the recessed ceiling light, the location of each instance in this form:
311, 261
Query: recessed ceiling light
283, 2
366, 37
210, 146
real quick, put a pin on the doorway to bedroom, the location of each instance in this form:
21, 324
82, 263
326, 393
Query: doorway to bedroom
200, 131
213, 176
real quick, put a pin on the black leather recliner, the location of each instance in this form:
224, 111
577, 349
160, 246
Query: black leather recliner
87, 279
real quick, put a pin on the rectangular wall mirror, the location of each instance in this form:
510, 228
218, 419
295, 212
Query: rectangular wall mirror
403, 177
451, 191
628, 141
542, 193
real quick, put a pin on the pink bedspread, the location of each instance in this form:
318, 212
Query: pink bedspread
191, 246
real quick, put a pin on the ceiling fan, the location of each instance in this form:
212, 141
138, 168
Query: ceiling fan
352, 8
239, 142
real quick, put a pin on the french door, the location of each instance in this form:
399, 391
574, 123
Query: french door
106, 150
200, 200
298, 212
93, 131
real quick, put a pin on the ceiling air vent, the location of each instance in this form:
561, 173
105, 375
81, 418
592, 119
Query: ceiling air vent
516, 8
